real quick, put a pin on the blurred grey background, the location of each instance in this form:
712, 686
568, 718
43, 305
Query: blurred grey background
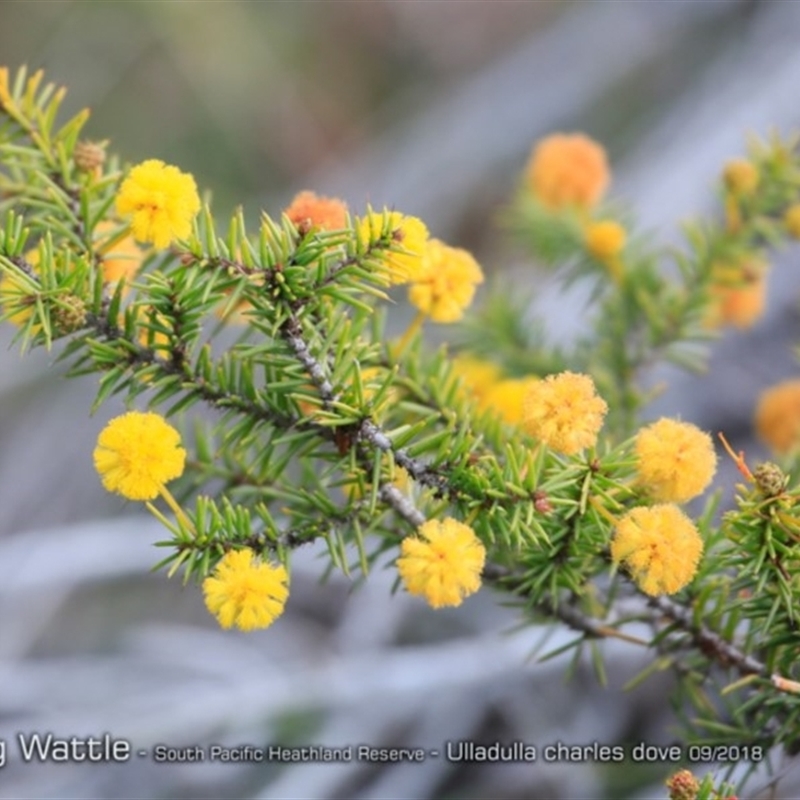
430, 107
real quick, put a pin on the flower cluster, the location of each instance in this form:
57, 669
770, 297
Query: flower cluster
446, 284
740, 176
308, 211
245, 592
161, 200
738, 293
564, 412
777, 416
443, 563
137, 454
605, 239
676, 460
334, 433
660, 546
568, 170
408, 237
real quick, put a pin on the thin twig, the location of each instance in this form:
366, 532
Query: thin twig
388, 492
708, 642
292, 334
391, 495
416, 469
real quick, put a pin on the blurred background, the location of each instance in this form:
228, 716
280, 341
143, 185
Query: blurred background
432, 108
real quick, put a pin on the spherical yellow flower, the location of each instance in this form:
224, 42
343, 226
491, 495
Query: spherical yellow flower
740, 176
568, 170
738, 293
660, 546
245, 591
777, 416
565, 412
676, 460
409, 234
505, 398
443, 563
605, 239
163, 201
137, 453
308, 210
740, 306
447, 284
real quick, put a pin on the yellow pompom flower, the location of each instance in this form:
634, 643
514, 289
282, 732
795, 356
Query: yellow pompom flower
564, 412
410, 235
568, 170
245, 592
660, 546
605, 239
443, 563
740, 306
737, 293
505, 398
740, 176
308, 210
777, 417
162, 200
676, 460
791, 219
137, 454
447, 283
